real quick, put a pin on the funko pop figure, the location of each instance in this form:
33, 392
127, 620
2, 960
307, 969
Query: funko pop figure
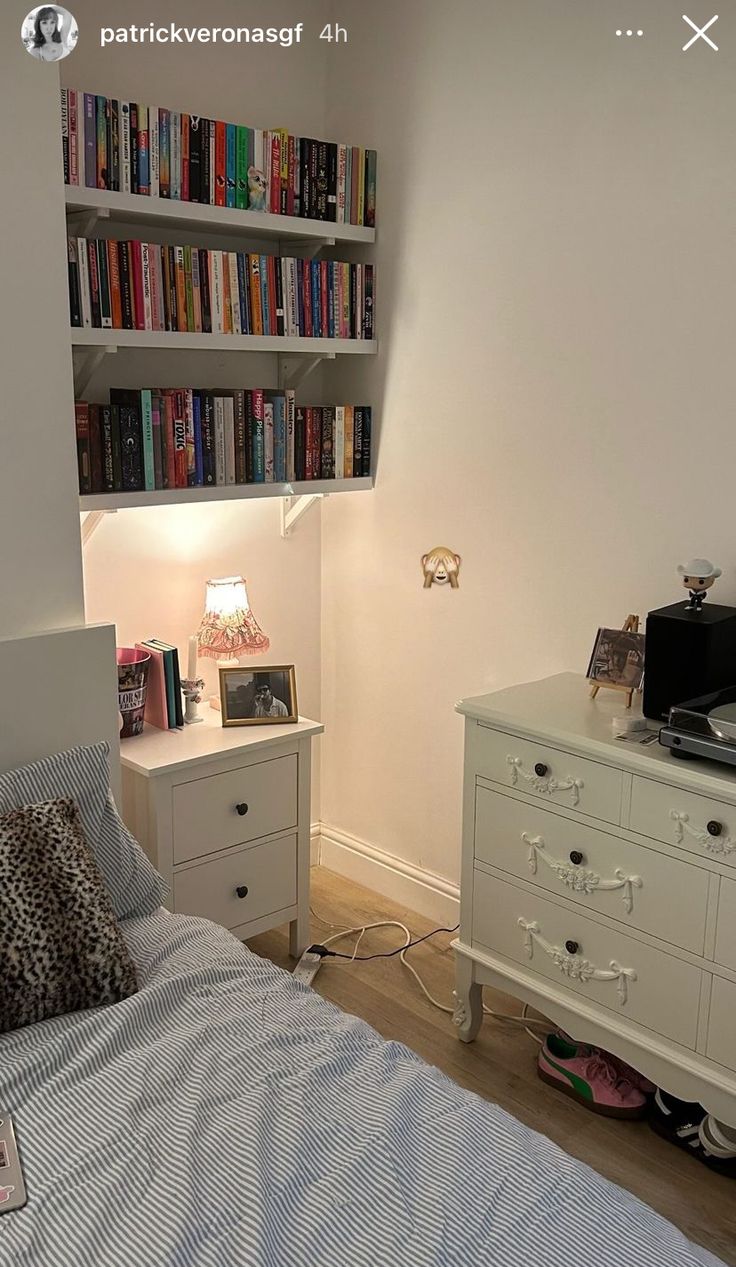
697, 576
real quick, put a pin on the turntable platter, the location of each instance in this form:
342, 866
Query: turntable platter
722, 721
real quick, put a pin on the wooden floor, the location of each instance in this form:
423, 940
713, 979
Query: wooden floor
500, 1064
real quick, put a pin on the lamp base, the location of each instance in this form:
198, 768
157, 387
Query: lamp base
192, 691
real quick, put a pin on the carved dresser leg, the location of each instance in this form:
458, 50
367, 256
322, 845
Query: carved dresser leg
468, 1013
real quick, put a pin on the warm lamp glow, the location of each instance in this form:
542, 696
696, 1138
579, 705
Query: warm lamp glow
229, 628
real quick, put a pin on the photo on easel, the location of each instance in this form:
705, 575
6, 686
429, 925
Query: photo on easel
617, 660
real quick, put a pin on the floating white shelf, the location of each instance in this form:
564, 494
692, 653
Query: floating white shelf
226, 492
140, 209
173, 340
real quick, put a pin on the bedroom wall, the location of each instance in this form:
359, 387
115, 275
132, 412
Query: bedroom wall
40, 558
145, 569
554, 387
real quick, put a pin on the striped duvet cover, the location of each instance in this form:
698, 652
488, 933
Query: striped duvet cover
225, 1116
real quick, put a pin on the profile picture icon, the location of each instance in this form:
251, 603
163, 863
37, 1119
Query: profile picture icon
49, 33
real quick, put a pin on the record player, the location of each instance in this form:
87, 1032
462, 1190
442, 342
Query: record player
703, 727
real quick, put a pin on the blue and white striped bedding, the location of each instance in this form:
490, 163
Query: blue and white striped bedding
225, 1116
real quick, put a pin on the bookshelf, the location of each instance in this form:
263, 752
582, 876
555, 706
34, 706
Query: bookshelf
172, 341
223, 492
139, 209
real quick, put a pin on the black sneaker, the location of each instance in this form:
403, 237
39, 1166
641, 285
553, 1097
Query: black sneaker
691, 1128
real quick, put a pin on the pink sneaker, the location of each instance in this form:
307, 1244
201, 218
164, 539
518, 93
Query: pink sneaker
624, 1071
585, 1074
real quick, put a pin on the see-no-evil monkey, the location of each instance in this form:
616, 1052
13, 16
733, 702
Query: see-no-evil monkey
441, 566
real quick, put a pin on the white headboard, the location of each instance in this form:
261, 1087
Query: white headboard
58, 690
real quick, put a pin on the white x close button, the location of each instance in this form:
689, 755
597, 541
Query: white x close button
699, 33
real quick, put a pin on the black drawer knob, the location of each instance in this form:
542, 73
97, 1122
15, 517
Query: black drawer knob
242, 808
572, 947
242, 890
714, 827
576, 857
540, 769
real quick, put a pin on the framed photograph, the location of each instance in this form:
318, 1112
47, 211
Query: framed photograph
617, 659
258, 697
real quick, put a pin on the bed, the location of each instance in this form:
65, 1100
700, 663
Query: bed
226, 1115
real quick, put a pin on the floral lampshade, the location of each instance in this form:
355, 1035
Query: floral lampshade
229, 629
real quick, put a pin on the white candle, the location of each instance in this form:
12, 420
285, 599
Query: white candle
192, 669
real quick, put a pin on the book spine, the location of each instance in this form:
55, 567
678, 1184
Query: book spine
196, 291
259, 452
219, 441
279, 438
268, 440
332, 183
75, 301
114, 144
180, 440
220, 163
300, 471
168, 444
188, 287
324, 268
307, 288
361, 185
322, 180
131, 449
158, 455
240, 435
73, 109
157, 286
263, 277
198, 454
357, 440
146, 278
227, 311
101, 142
108, 467
328, 442
181, 289
369, 275
227, 404
175, 155
232, 261
231, 179
309, 442
136, 277
65, 134
255, 294
189, 433
347, 469
90, 141
212, 198
216, 292
81, 421
149, 468
185, 158
243, 290
204, 283
241, 167
365, 447
94, 282
154, 155
126, 288
297, 170
125, 169
95, 450
371, 160
290, 408
341, 174
291, 172
133, 147
144, 182
339, 441
208, 439
194, 158
164, 152
104, 285
273, 327
204, 160
249, 433
346, 270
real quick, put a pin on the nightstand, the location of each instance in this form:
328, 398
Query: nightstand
224, 814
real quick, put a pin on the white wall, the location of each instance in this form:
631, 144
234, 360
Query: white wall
555, 390
145, 569
40, 563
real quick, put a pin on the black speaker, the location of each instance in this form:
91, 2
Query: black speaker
687, 653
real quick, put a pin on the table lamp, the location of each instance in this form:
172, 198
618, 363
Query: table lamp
228, 629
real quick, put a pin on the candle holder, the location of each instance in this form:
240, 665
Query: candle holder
192, 691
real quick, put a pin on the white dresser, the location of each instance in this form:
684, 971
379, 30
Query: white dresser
224, 813
599, 885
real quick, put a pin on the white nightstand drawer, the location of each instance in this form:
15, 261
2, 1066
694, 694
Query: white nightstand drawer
560, 777
722, 1024
609, 968
726, 926
637, 886
241, 887
234, 807
696, 823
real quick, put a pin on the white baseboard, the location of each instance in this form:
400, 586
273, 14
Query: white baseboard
429, 895
314, 845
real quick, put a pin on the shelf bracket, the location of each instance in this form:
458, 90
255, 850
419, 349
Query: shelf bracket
91, 520
86, 363
84, 222
307, 247
293, 373
292, 509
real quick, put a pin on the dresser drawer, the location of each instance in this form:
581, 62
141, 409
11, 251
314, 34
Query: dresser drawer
210, 890
539, 770
206, 815
609, 968
697, 823
641, 888
726, 926
722, 1024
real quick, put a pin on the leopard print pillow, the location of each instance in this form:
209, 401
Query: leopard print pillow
60, 946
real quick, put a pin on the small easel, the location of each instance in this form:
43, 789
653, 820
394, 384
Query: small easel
630, 625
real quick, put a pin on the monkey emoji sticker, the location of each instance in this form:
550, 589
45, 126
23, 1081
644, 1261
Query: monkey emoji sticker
441, 567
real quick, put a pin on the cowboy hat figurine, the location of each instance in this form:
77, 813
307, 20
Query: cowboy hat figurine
697, 576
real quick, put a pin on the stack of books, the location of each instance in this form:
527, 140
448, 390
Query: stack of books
166, 438
163, 691
123, 145
131, 285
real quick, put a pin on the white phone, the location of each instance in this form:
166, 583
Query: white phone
12, 1188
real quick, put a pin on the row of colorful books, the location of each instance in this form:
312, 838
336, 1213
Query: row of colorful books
131, 285
159, 438
139, 149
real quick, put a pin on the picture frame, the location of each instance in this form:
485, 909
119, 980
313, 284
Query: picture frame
617, 659
263, 696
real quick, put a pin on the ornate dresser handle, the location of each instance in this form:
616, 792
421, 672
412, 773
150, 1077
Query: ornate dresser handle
576, 966
581, 879
713, 842
545, 784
